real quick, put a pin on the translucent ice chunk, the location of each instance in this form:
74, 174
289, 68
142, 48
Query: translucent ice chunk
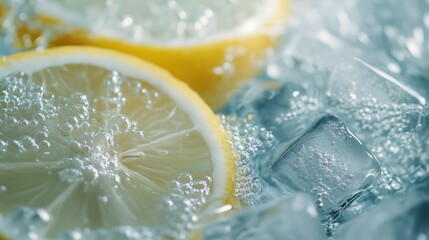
387, 114
355, 78
285, 99
329, 162
277, 107
397, 219
289, 218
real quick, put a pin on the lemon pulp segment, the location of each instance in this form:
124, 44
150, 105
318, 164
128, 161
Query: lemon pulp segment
97, 138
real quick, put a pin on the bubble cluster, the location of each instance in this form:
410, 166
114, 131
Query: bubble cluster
78, 139
323, 171
300, 105
24, 110
25, 224
248, 142
89, 129
181, 206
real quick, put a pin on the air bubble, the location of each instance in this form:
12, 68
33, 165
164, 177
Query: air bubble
73, 121
85, 149
45, 145
36, 106
24, 124
34, 123
65, 129
15, 147
185, 178
75, 145
247, 141
119, 123
29, 143
103, 140
40, 136
11, 122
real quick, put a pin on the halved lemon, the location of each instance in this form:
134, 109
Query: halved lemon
102, 139
214, 46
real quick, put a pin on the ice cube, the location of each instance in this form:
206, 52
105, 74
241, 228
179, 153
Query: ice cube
356, 80
284, 109
388, 115
401, 218
293, 217
329, 162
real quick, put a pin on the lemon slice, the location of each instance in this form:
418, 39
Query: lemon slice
214, 46
102, 139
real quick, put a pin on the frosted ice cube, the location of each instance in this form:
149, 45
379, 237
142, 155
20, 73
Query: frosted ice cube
329, 162
387, 114
291, 218
397, 219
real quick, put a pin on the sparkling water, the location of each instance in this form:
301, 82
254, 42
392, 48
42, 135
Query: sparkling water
249, 142
363, 62
337, 59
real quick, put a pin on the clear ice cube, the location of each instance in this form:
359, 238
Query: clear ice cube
329, 162
388, 115
293, 217
396, 219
